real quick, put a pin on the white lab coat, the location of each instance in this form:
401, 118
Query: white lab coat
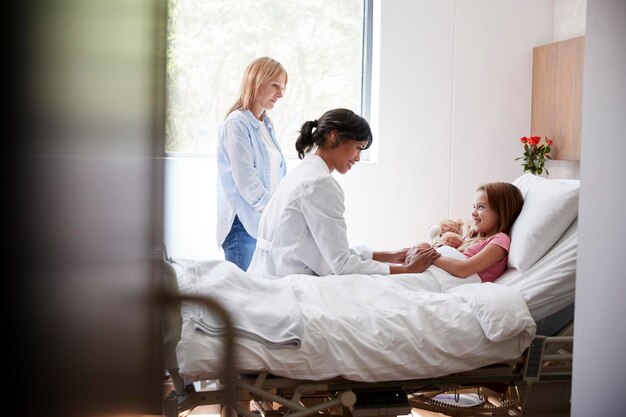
303, 231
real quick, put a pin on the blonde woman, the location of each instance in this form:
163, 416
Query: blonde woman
249, 159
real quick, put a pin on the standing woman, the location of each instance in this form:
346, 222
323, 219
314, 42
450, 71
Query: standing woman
303, 230
249, 160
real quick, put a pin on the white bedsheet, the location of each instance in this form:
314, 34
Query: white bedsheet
373, 328
550, 284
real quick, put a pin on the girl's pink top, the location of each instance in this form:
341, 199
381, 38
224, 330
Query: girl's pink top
494, 271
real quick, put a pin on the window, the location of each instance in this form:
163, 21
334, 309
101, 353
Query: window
324, 45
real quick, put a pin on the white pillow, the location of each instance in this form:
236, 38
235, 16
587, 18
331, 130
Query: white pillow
501, 311
550, 206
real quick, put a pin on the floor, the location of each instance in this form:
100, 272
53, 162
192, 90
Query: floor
213, 411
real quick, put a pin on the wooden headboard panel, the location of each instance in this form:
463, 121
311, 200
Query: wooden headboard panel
557, 97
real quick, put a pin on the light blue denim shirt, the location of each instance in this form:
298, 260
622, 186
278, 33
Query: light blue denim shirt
243, 165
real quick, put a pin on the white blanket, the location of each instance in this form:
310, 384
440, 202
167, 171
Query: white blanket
369, 328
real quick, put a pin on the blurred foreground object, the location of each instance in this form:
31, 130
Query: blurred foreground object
83, 138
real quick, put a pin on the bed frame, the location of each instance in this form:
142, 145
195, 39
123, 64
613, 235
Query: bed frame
537, 383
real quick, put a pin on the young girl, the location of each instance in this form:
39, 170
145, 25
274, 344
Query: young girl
486, 246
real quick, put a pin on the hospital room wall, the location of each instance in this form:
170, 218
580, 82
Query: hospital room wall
453, 98
600, 342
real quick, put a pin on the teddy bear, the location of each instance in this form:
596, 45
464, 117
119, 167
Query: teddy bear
447, 233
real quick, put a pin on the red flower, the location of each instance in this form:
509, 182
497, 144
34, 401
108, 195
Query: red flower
535, 155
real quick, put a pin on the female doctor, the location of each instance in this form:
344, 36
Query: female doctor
302, 229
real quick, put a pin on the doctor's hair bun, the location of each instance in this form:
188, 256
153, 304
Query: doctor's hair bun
347, 124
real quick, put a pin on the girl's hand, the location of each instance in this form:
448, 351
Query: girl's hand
415, 250
399, 256
392, 257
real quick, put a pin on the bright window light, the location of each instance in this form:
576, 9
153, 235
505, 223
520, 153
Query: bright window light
323, 45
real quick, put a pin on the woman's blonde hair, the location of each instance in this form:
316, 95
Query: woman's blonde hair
259, 71
506, 201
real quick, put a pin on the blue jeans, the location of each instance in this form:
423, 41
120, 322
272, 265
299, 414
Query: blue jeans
239, 245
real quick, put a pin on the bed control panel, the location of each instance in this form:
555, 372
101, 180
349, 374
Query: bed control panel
381, 403
532, 368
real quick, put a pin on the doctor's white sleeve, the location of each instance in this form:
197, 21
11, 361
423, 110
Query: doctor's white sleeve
362, 251
323, 208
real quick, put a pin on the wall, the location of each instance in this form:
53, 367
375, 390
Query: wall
453, 97
600, 341
455, 85
492, 91
190, 209
569, 19
391, 203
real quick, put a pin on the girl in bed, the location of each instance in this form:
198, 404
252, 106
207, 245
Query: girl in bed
486, 246
302, 229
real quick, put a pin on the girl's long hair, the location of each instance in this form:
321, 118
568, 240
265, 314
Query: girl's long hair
259, 71
506, 201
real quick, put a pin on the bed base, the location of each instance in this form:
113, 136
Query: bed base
537, 383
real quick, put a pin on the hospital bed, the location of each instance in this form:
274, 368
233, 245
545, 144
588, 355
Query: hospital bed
360, 345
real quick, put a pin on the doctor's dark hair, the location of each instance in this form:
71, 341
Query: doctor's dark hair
347, 124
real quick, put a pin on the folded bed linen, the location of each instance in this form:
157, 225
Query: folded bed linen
262, 310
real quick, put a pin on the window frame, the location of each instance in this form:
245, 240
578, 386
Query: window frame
366, 65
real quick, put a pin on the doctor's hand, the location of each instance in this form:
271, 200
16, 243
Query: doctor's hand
421, 259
